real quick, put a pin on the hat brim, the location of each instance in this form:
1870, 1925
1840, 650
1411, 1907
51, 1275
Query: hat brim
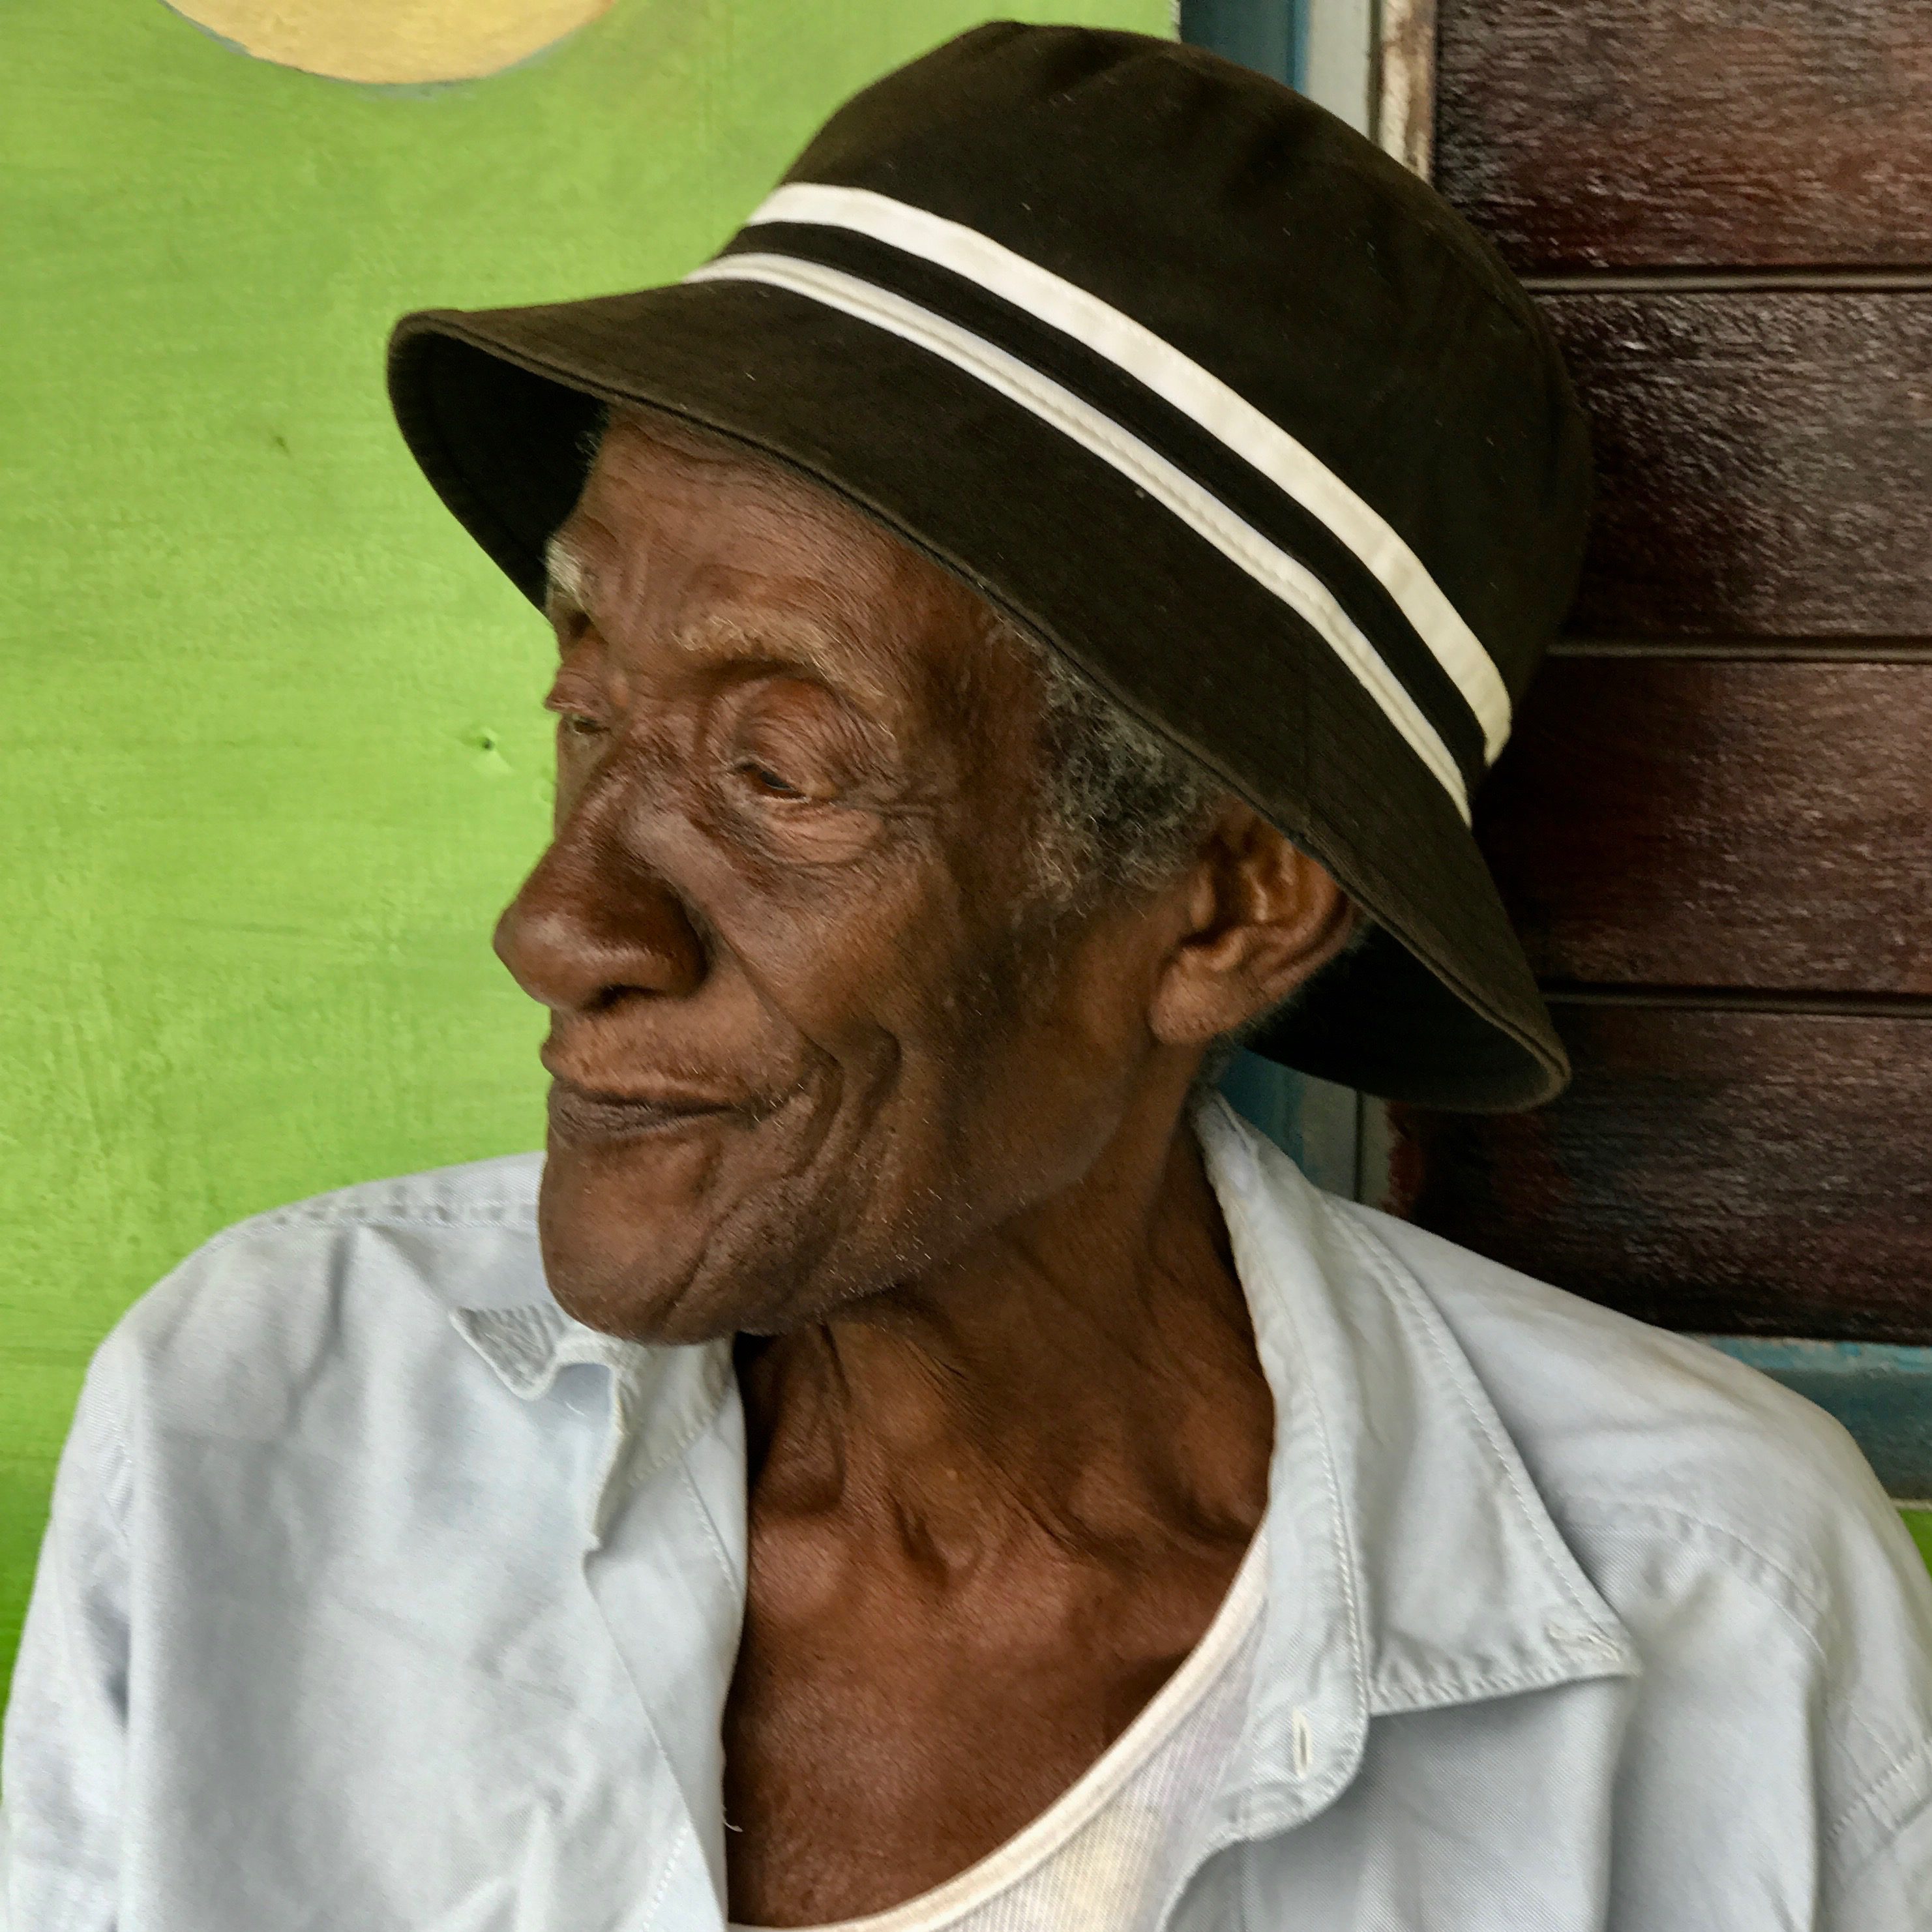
1437, 1007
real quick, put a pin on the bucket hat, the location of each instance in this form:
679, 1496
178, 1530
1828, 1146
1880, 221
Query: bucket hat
1195, 384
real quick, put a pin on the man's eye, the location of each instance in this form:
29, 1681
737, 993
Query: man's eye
773, 783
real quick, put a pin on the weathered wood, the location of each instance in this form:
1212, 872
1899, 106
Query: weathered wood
1764, 460
1685, 132
1405, 82
1761, 825
1758, 1160
1762, 1173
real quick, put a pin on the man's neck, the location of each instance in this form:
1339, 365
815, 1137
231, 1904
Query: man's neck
1084, 1378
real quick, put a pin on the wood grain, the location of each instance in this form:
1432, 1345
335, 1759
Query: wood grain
1764, 460
1675, 132
1756, 825
1756, 1173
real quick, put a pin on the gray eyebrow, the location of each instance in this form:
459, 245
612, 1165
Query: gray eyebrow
572, 577
805, 645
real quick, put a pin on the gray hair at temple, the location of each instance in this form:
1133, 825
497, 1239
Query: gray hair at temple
1124, 810
1123, 807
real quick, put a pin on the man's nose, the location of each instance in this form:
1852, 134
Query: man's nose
593, 926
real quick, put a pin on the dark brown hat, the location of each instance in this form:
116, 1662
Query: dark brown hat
1190, 380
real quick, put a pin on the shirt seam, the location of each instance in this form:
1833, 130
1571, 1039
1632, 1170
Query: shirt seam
118, 1496
1411, 1696
300, 1213
685, 1829
1815, 1606
1331, 1481
711, 1535
1917, 1757
1595, 1502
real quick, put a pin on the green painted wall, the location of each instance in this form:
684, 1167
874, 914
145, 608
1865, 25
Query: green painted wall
270, 754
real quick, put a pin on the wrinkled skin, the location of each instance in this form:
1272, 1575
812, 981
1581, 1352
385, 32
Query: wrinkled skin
830, 1078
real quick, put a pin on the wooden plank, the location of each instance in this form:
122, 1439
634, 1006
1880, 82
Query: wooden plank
1688, 133
1764, 825
1764, 460
1713, 1169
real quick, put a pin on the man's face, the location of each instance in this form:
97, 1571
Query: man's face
810, 1032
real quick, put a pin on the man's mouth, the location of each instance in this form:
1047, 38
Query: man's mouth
580, 1116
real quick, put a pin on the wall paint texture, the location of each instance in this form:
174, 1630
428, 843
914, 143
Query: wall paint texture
271, 756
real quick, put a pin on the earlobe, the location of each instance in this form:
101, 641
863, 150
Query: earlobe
1268, 917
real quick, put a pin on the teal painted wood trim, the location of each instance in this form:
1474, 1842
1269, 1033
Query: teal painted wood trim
1268, 1096
1880, 1391
1316, 1125
1271, 35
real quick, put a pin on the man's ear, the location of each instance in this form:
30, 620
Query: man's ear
1260, 918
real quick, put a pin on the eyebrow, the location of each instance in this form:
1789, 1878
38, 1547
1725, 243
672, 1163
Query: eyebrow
809, 647
802, 645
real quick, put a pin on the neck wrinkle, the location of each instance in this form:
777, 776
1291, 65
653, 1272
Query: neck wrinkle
1089, 1376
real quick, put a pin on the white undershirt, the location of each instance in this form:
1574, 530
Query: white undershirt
1102, 1857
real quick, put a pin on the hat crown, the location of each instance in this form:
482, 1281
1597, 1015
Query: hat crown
1272, 245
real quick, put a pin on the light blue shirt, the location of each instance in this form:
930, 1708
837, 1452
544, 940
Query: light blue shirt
380, 1594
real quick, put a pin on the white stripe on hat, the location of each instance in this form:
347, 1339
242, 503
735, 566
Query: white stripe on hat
1285, 576
1295, 470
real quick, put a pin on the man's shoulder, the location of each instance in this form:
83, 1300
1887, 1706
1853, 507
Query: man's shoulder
1769, 1587
1597, 1400
345, 1275
1640, 1438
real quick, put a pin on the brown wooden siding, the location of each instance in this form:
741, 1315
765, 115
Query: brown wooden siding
1764, 460
1749, 822
1731, 1170
1714, 827
1673, 133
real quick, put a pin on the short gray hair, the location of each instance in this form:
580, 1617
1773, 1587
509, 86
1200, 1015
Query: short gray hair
1124, 812
1124, 809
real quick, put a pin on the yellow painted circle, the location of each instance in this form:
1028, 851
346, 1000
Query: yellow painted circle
393, 40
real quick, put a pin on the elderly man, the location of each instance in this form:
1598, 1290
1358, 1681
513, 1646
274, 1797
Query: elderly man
1030, 613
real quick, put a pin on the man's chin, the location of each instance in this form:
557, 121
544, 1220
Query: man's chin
664, 1251
622, 1251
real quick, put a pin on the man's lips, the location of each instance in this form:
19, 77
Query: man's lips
577, 1114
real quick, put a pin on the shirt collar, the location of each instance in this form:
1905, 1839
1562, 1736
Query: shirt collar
661, 1399
1411, 1564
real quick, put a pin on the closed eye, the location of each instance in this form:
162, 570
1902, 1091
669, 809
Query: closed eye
577, 724
769, 780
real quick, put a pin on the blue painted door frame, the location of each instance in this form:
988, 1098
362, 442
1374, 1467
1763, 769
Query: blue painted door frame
1272, 35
